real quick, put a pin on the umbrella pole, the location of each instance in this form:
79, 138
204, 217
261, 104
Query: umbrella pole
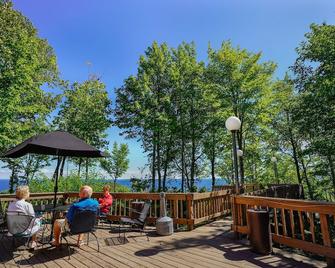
55, 196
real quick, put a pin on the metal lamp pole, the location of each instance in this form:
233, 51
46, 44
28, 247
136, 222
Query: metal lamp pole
237, 183
233, 124
240, 155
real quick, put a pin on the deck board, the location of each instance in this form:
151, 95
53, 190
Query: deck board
207, 246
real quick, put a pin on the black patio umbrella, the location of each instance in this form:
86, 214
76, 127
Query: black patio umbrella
59, 143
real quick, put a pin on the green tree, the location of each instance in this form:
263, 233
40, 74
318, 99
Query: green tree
190, 113
117, 163
141, 107
27, 62
86, 113
314, 112
242, 83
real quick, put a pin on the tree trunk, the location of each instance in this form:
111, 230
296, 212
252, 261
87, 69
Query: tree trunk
86, 175
13, 180
309, 187
56, 169
79, 166
159, 163
332, 171
28, 169
166, 163
153, 169
62, 166
114, 185
294, 150
192, 175
213, 171
182, 161
213, 156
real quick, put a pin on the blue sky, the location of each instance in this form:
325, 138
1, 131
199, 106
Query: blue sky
113, 34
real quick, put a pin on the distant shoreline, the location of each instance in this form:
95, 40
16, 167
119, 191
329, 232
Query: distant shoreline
171, 183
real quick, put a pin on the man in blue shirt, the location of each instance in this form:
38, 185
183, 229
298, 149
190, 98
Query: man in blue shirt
85, 203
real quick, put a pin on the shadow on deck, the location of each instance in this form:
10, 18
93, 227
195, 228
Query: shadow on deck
211, 245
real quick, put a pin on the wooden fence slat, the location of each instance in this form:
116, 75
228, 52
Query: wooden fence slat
292, 222
311, 226
302, 228
275, 220
283, 221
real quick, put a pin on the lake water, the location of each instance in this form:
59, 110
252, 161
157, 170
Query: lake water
206, 182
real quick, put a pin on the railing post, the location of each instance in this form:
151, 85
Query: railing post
235, 216
327, 241
190, 216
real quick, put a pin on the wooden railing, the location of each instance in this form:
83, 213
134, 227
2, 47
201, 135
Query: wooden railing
184, 208
250, 187
307, 225
35, 199
291, 191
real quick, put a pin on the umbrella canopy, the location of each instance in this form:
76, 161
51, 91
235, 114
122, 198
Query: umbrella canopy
59, 143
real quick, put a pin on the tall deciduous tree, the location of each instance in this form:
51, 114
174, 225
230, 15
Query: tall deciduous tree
314, 113
27, 62
242, 84
86, 113
117, 163
141, 105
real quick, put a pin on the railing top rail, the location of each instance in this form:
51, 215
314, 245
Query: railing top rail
296, 204
126, 195
197, 196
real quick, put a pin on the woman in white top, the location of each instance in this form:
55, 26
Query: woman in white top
20, 205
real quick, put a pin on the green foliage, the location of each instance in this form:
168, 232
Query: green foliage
27, 62
117, 163
85, 111
314, 107
139, 185
72, 183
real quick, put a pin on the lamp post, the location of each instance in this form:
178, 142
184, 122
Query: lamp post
239, 153
275, 168
233, 124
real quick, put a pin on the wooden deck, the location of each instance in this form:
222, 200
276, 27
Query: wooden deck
211, 245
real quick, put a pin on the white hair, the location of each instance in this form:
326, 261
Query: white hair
86, 190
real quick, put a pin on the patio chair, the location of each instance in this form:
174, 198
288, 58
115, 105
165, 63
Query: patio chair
18, 225
83, 223
136, 224
102, 219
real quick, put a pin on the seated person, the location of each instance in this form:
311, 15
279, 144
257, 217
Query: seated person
85, 203
20, 205
106, 201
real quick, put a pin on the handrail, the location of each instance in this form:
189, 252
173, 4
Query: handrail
184, 208
249, 187
293, 191
307, 225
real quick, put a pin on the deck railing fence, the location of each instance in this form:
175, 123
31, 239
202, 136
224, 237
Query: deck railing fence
307, 225
184, 208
